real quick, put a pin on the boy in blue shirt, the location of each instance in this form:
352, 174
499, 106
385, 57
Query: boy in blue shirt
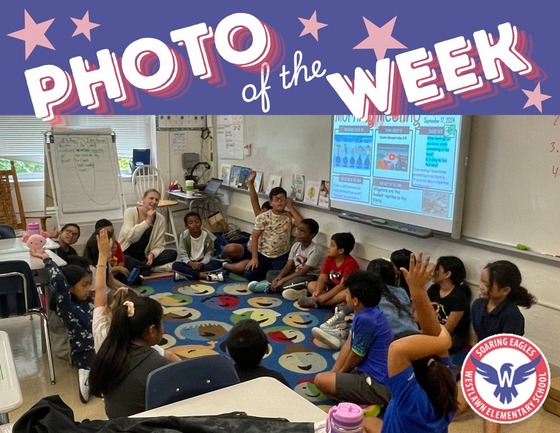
359, 374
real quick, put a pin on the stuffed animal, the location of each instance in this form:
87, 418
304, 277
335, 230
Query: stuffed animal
36, 242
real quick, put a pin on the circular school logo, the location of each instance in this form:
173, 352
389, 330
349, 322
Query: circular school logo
505, 378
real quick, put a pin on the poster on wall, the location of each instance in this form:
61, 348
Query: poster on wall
230, 137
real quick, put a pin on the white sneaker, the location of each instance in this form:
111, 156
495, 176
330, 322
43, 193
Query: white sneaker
218, 276
83, 383
333, 338
294, 294
177, 276
168, 267
337, 317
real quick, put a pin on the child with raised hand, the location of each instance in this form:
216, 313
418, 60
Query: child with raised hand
74, 306
497, 310
247, 344
328, 290
106, 303
271, 236
423, 390
451, 296
124, 361
359, 374
239, 255
303, 265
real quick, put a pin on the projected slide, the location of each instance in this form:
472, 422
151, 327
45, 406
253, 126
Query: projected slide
403, 164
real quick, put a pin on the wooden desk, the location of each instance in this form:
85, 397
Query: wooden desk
264, 397
10, 392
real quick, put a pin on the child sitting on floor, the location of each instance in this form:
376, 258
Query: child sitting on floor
304, 262
329, 287
196, 248
247, 344
121, 367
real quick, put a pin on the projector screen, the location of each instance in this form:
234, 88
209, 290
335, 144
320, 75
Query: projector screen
405, 169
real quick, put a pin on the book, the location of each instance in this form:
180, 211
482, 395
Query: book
243, 175
298, 187
274, 180
312, 192
324, 191
225, 172
258, 181
234, 176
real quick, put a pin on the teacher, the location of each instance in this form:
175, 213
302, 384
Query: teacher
142, 236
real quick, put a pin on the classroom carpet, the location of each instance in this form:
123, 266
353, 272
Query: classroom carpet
199, 314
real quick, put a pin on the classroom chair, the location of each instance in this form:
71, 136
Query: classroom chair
7, 231
19, 296
189, 378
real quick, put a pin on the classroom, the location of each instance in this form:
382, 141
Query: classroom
509, 193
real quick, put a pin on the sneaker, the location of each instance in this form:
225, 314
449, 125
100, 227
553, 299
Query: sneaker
334, 338
337, 318
307, 302
163, 268
83, 382
178, 276
217, 276
294, 294
259, 286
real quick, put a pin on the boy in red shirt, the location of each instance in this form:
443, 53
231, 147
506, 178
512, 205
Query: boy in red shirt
329, 289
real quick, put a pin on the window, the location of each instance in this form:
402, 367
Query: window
22, 139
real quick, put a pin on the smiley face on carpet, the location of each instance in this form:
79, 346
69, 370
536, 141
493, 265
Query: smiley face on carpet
237, 289
284, 334
221, 302
194, 289
180, 314
144, 290
265, 301
167, 341
168, 299
263, 316
300, 319
307, 389
202, 330
194, 350
301, 359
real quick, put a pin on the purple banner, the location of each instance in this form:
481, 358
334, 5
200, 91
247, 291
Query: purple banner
257, 57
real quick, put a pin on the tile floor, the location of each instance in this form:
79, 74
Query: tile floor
33, 375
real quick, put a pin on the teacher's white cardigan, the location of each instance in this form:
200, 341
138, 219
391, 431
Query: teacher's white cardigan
133, 229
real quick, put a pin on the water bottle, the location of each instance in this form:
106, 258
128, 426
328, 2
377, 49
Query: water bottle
32, 228
345, 418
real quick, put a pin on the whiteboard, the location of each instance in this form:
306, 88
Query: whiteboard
84, 167
513, 182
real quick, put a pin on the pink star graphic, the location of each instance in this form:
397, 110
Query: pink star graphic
311, 26
535, 98
379, 39
84, 26
33, 34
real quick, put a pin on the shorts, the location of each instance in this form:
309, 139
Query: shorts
358, 387
246, 255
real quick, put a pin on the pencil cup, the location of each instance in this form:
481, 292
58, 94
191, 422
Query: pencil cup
345, 418
189, 188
